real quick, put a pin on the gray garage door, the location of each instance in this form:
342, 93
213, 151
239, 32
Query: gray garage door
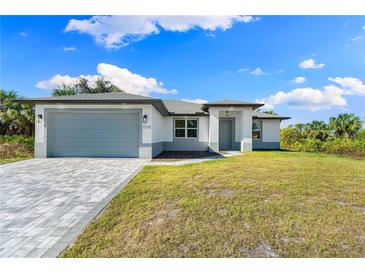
93, 134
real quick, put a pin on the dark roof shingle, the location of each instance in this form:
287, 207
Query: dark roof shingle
262, 115
181, 107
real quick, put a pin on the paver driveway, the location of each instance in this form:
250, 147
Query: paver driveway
45, 203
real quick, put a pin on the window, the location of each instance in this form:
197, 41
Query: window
186, 128
256, 130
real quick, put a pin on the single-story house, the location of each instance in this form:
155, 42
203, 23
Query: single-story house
128, 125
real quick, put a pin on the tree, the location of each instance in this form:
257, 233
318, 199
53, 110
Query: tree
15, 118
345, 125
64, 90
83, 86
270, 112
267, 111
102, 85
317, 125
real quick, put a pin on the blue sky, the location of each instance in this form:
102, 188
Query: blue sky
207, 58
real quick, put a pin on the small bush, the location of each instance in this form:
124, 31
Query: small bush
17, 139
17, 146
345, 146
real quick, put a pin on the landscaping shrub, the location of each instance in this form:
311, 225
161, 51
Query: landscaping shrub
345, 146
15, 147
342, 135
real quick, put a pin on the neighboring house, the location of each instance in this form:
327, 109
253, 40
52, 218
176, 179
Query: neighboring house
128, 125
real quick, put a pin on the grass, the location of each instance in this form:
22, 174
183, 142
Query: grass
15, 148
260, 204
14, 159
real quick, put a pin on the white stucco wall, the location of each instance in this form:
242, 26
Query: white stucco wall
270, 130
203, 129
157, 126
168, 129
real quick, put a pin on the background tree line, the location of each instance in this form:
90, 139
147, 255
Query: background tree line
18, 119
342, 134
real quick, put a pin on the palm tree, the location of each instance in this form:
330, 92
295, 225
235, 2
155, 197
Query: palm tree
345, 125
15, 118
64, 90
317, 125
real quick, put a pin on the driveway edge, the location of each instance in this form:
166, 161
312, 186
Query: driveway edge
77, 229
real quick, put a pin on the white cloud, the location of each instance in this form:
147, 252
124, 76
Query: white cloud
310, 64
316, 99
58, 80
363, 27
120, 77
196, 101
114, 32
69, 48
23, 34
299, 80
242, 70
280, 71
257, 72
307, 98
351, 85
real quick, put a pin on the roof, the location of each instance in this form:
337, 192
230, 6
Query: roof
262, 115
231, 103
177, 107
166, 107
100, 98
93, 96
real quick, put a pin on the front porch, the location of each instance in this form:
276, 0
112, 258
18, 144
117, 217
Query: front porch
230, 128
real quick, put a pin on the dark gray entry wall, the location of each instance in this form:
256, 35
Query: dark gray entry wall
226, 133
93, 134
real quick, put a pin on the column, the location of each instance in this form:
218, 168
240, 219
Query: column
246, 134
213, 129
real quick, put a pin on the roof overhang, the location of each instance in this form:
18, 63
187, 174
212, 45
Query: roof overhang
254, 106
271, 118
157, 103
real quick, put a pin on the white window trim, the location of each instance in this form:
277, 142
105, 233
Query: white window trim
186, 128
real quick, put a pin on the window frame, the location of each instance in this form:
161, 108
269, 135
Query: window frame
257, 130
186, 128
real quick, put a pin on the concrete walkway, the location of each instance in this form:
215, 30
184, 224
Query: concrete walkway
46, 203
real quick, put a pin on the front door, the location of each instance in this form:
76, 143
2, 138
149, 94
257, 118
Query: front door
225, 134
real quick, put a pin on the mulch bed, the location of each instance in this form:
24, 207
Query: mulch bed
183, 155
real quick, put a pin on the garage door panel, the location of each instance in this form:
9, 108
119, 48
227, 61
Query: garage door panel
93, 134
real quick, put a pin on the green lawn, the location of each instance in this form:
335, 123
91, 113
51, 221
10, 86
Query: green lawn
14, 159
260, 204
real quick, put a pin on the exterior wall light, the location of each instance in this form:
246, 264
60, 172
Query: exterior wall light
39, 118
144, 119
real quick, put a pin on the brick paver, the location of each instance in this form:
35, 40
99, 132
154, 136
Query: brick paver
45, 203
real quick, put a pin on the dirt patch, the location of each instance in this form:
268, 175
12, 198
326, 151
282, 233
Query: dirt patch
248, 180
222, 211
266, 250
357, 208
221, 192
296, 240
262, 250
163, 216
183, 248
